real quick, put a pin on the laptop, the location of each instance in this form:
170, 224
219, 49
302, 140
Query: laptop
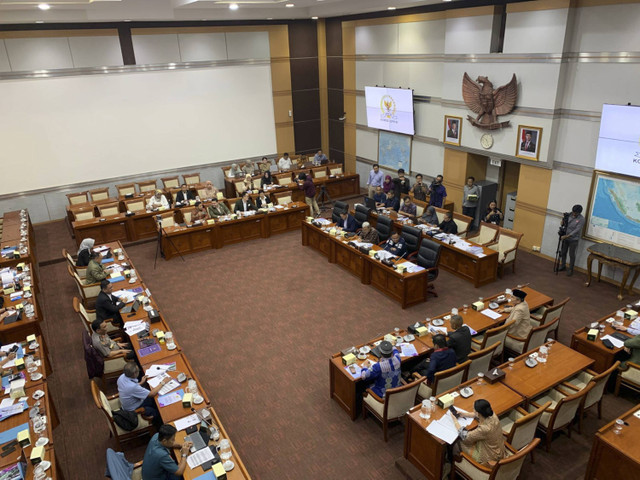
198, 441
134, 307
369, 203
13, 318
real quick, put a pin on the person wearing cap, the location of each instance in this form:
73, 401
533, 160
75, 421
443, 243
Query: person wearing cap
441, 359
570, 240
157, 201
519, 315
368, 234
386, 372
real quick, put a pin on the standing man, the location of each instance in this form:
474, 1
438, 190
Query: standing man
420, 190
401, 185
305, 182
570, 240
437, 192
470, 198
375, 180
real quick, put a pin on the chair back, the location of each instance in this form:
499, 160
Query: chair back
399, 400
319, 172
168, 219
412, 236
509, 467
524, 428
78, 198
191, 178
440, 212
171, 182
101, 401
83, 213
338, 207
507, 240
495, 335
599, 384
85, 317
87, 292
462, 222
554, 312
146, 186
481, 360
486, 234
450, 378
383, 227
93, 360
283, 198
362, 214
187, 213
538, 335
240, 188
126, 189
335, 170
428, 254
136, 205
99, 194
257, 183
107, 209
67, 256
420, 207
567, 407
283, 178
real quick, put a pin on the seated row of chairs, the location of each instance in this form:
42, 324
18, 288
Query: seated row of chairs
286, 178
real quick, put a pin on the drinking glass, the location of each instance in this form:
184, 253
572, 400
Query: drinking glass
549, 343
617, 428
511, 361
480, 378
464, 308
425, 409
225, 454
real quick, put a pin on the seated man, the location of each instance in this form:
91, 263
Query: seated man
244, 204
285, 162
95, 271
133, 395
264, 165
386, 372
218, 209
429, 217
396, 245
247, 168
448, 225
320, 158
158, 463
368, 234
263, 200
631, 345
157, 201
391, 201
105, 345
108, 306
459, 339
408, 207
347, 222
379, 197
184, 195
520, 316
441, 359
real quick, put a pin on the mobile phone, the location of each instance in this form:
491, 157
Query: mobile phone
453, 410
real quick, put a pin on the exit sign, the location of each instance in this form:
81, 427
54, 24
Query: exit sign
496, 162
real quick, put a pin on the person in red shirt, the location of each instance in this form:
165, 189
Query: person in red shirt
305, 182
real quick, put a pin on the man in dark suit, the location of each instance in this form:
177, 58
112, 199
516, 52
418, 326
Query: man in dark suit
396, 245
459, 339
108, 306
184, 195
528, 145
401, 185
453, 130
244, 204
347, 222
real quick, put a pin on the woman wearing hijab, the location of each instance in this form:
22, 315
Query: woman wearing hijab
84, 251
387, 184
430, 217
266, 179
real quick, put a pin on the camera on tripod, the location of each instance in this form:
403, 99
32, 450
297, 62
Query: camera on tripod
562, 231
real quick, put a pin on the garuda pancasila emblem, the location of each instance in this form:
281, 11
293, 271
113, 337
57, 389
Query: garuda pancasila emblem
488, 103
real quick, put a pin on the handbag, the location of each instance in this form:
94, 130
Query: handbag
125, 420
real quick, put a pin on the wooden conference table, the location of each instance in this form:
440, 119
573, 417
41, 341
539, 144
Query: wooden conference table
479, 270
347, 388
406, 288
518, 387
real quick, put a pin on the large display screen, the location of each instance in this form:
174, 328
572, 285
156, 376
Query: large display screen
619, 140
390, 109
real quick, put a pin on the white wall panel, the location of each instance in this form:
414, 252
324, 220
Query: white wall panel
429, 119
200, 47
5, 66
426, 78
577, 142
427, 159
38, 53
541, 31
95, 51
377, 40
243, 45
156, 49
607, 28
369, 74
421, 37
567, 189
395, 74
367, 145
468, 34
361, 110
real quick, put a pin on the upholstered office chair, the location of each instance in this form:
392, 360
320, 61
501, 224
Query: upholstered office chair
338, 207
481, 360
440, 212
186, 213
462, 222
88, 293
395, 404
507, 468
361, 215
146, 186
519, 426
507, 248
107, 209
191, 178
628, 377
384, 227
98, 366
81, 271
171, 182
537, 336
126, 189
488, 338
420, 206
256, 183
320, 172
335, 170
283, 198
77, 198
444, 380
594, 397
486, 234
137, 205
240, 188
562, 411
284, 179
83, 213
428, 257
412, 237
99, 195
545, 315
168, 219
111, 403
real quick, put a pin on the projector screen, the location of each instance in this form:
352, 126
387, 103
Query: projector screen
619, 140
67, 130
390, 109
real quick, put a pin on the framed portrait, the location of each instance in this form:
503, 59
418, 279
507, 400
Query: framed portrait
528, 142
452, 130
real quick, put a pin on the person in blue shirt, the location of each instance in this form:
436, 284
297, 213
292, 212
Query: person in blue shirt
396, 245
441, 359
379, 197
133, 395
437, 192
392, 202
157, 463
376, 177
386, 372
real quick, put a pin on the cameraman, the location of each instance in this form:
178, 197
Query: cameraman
437, 192
570, 239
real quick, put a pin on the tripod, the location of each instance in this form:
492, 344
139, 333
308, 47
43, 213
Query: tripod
556, 262
324, 196
159, 243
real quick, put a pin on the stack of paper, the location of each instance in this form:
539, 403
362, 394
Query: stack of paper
445, 429
435, 330
408, 350
412, 267
155, 371
135, 326
616, 343
322, 221
491, 313
186, 422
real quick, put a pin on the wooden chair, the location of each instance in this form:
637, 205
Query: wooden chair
481, 360
395, 404
187, 212
562, 411
173, 193
545, 315
240, 188
444, 380
283, 178
319, 172
108, 209
283, 198
87, 316
628, 377
519, 426
440, 212
486, 234
594, 397
335, 170
507, 248
537, 336
81, 271
420, 206
88, 293
98, 366
462, 222
168, 220
135, 205
78, 198
125, 189
111, 403
171, 182
99, 194
491, 336
191, 178
146, 186
256, 183
506, 468
83, 213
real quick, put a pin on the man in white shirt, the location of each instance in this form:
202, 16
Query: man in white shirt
157, 201
285, 162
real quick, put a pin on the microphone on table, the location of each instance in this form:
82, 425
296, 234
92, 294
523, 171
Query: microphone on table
204, 419
396, 261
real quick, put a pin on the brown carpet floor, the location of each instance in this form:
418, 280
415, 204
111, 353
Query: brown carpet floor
259, 321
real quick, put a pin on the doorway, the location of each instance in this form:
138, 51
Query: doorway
508, 182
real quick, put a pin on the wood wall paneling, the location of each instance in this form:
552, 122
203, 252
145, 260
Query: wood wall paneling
281, 86
531, 207
349, 86
335, 96
322, 84
455, 175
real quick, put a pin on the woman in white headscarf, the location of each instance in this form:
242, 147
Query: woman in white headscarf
84, 251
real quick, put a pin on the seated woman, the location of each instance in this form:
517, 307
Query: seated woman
263, 200
84, 252
408, 207
448, 225
266, 179
209, 191
493, 213
430, 217
485, 443
248, 183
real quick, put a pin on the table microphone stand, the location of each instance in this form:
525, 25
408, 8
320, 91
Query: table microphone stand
159, 243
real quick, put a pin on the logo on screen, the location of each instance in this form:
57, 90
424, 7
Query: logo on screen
388, 107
